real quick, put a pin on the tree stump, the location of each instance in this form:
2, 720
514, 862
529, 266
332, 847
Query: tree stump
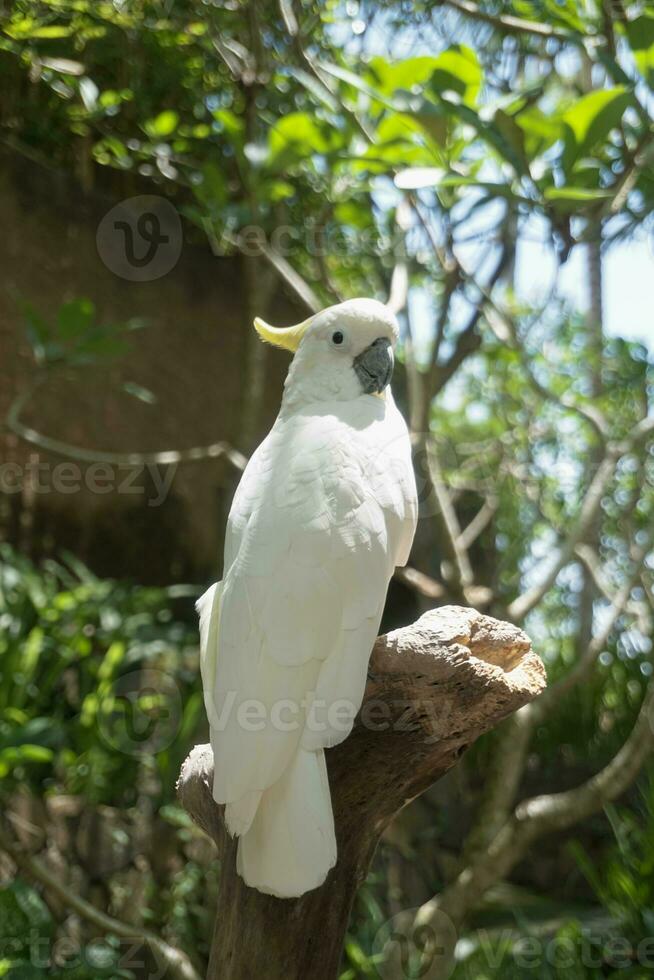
432, 689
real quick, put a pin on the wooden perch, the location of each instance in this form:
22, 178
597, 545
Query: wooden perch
432, 689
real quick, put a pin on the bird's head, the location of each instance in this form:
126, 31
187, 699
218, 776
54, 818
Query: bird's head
340, 353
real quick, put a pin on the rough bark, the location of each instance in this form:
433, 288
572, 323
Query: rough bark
433, 688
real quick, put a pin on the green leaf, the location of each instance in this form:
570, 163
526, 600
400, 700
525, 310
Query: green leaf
230, 123
400, 140
279, 190
37, 732
458, 70
212, 189
32, 651
298, 135
489, 132
591, 119
112, 660
16, 755
493, 188
567, 13
27, 28
22, 909
435, 121
572, 198
389, 78
162, 125
20, 27
75, 318
640, 35
513, 134
52, 31
541, 130
37, 330
357, 83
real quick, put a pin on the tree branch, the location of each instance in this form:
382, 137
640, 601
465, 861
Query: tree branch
507, 22
165, 457
449, 521
479, 523
538, 710
533, 819
432, 689
519, 608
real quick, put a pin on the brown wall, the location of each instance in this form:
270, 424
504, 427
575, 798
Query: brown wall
191, 356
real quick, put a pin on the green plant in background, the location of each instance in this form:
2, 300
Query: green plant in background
250, 117
323, 122
624, 880
27, 931
98, 681
100, 701
74, 337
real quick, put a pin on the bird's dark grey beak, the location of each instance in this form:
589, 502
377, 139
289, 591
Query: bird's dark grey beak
374, 366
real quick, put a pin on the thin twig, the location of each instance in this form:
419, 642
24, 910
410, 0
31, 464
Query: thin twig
449, 520
539, 816
479, 523
166, 457
174, 960
507, 22
585, 664
524, 603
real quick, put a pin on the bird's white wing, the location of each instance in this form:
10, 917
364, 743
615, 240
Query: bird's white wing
384, 454
318, 523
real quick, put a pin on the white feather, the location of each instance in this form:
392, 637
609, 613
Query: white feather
325, 510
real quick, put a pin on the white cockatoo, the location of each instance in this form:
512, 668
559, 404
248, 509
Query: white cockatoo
325, 511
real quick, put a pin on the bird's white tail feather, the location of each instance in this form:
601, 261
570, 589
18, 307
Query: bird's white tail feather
291, 845
239, 816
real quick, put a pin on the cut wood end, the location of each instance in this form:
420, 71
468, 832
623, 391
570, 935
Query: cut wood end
443, 637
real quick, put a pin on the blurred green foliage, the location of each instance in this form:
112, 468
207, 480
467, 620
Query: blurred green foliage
67, 642
27, 931
74, 338
252, 123
100, 700
321, 130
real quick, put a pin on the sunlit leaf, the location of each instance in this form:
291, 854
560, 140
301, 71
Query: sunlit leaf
162, 125
389, 77
458, 70
591, 119
299, 133
573, 198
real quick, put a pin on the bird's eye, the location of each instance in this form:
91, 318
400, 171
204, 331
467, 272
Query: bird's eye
337, 338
